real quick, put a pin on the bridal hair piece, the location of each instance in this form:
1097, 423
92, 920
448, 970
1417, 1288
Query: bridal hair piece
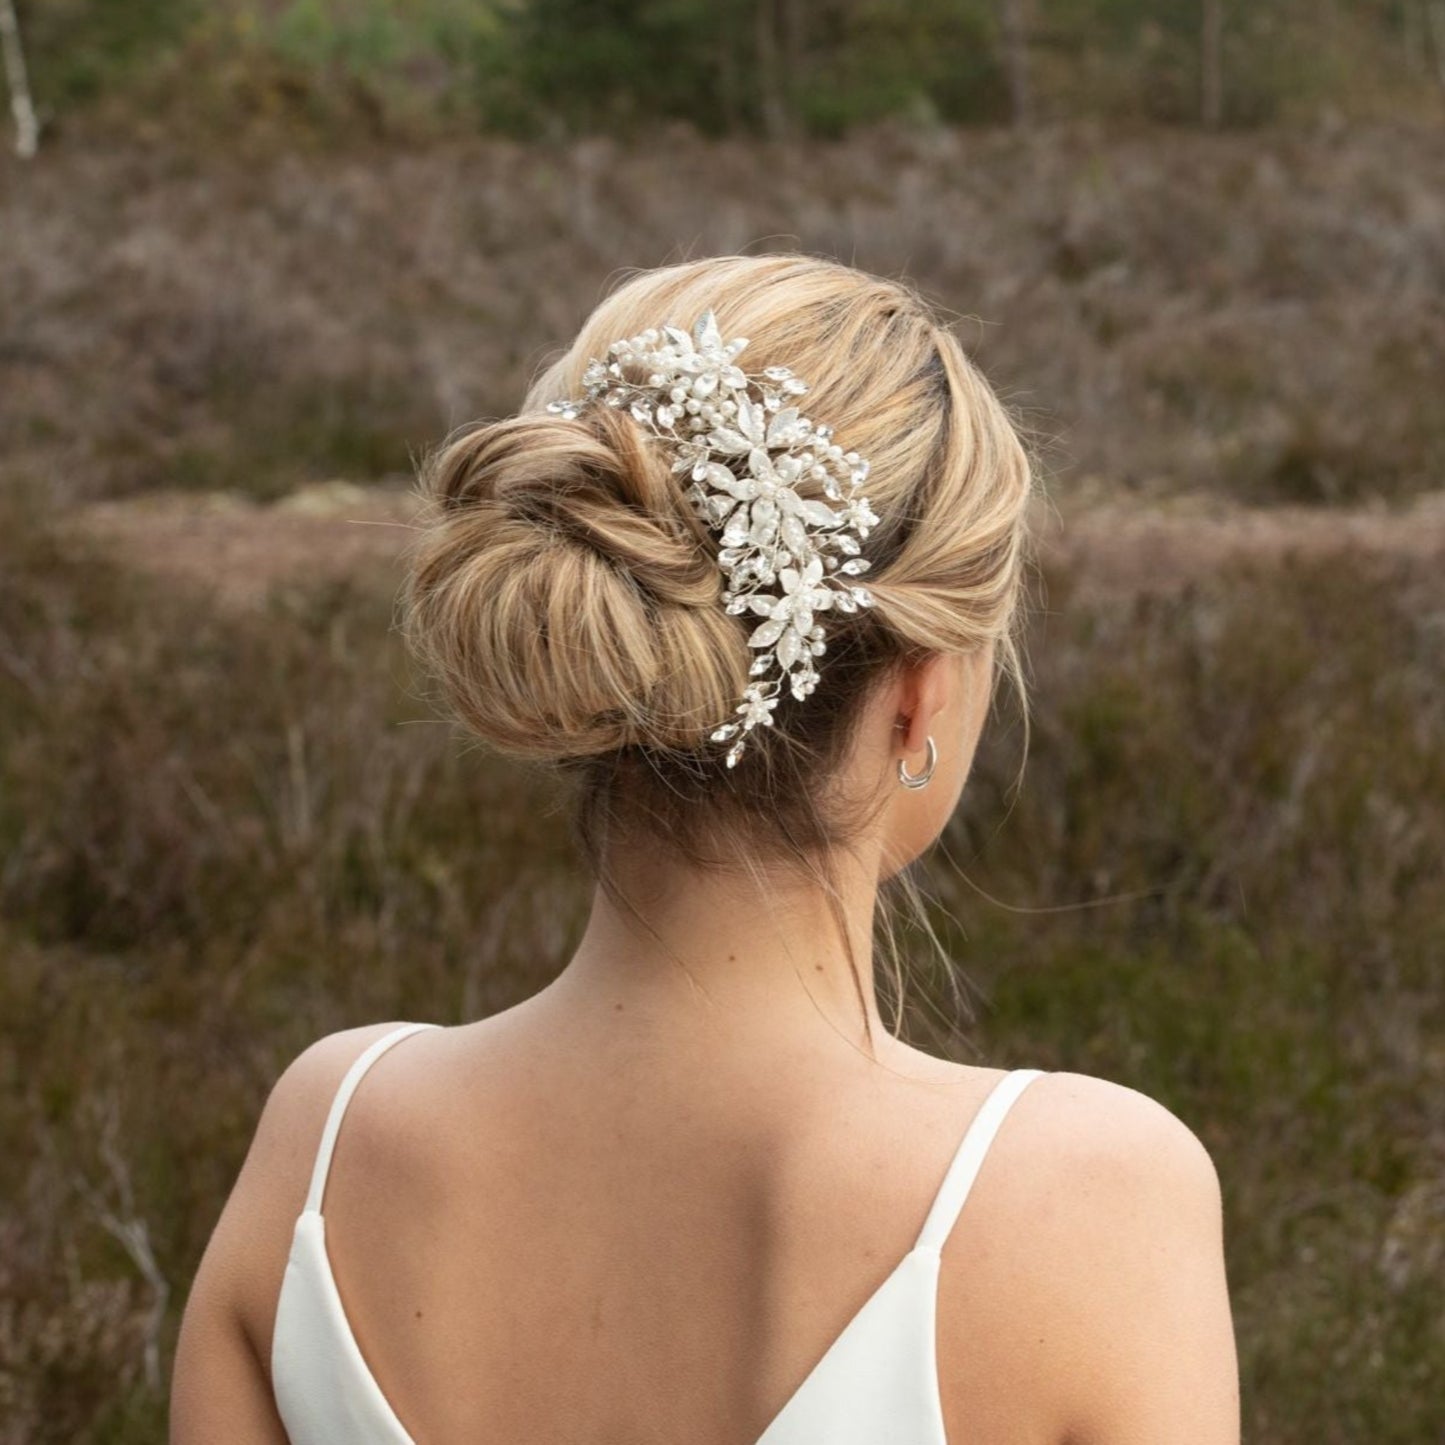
746, 449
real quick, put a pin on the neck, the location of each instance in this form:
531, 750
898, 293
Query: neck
722, 954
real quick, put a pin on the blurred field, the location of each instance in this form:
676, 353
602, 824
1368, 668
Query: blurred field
1257, 314
228, 824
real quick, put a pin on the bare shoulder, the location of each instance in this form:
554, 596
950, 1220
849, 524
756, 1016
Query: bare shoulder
221, 1382
1119, 1276
1118, 1140
247, 1254
1078, 1126
1115, 1186
289, 1130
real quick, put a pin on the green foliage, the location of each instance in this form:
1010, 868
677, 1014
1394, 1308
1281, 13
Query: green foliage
937, 60
595, 64
78, 50
385, 44
539, 67
613, 65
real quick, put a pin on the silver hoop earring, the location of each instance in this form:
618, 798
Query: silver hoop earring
919, 780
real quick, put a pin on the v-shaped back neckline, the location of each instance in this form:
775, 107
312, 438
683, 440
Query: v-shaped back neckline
309, 1243
825, 1359
404, 1437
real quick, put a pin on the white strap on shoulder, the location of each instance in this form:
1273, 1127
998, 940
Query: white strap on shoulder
354, 1076
963, 1169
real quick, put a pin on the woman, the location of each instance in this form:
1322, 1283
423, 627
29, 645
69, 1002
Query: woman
693, 1190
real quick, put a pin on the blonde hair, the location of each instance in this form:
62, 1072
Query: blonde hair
567, 598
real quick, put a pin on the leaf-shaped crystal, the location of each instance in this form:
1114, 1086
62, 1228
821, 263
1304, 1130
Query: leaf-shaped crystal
724, 439
760, 464
719, 476
784, 428
819, 514
706, 333
750, 422
768, 633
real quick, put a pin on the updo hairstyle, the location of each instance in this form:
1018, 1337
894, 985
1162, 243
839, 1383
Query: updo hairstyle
567, 599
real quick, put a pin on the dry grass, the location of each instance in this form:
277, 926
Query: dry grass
226, 829
1260, 313
236, 550
228, 824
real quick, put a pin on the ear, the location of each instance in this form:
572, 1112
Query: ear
923, 691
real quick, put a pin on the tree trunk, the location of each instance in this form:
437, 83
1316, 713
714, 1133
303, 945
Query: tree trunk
1016, 53
769, 70
1211, 64
1413, 38
27, 127
794, 45
727, 80
1435, 16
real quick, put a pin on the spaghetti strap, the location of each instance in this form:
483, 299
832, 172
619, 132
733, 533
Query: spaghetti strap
972, 1148
354, 1076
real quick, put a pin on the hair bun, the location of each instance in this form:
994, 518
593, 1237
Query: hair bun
564, 593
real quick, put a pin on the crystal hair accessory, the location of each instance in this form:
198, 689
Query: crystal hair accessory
746, 450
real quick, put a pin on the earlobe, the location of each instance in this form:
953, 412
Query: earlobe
925, 694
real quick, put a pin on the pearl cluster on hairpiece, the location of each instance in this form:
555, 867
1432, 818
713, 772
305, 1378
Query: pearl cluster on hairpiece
747, 449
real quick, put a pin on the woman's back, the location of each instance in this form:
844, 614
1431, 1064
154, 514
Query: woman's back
643, 1205
536, 1238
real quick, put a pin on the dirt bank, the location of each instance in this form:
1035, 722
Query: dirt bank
235, 550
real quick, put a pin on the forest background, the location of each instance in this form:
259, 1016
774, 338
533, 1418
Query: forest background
256, 257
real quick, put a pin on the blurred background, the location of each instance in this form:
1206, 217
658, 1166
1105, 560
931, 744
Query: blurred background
256, 255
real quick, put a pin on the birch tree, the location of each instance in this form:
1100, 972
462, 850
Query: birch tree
27, 128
